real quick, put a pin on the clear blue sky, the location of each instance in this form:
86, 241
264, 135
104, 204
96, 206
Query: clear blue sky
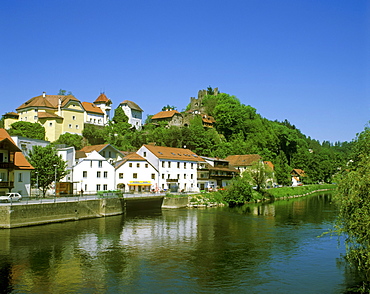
305, 61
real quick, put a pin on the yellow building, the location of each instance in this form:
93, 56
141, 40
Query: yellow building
58, 114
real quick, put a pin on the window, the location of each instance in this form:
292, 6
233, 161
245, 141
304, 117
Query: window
90, 163
169, 164
138, 165
130, 164
100, 163
144, 154
134, 175
77, 127
184, 176
192, 165
73, 117
120, 175
178, 176
103, 153
162, 176
184, 164
35, 117
162, 163
146, 165
153, 176
70, 126
178, 165
84, 174
50, 124
105, 174
98, 187
20, 177
109, 154
105, 187
98, 174
191, 176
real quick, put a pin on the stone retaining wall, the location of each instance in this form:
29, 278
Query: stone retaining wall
12, 216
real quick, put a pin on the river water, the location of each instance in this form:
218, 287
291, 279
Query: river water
269, 248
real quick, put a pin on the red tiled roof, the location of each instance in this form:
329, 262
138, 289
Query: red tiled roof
243, 160
48, 115
91, 107
165, 114
97, 148
4, 136
269, 164
49, 101
21, 162
103, 99
173, 153
132, 105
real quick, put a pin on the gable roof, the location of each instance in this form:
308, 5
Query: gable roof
132, 105
91, 107
133, 156
19, 160
298, 171
243, 160
48, 101
173, 153
6, 139
165, 114
98, 148
103, 99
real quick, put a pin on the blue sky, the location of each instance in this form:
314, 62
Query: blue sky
304, 61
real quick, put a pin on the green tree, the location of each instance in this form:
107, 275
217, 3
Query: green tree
168, 107
353, 199
48, 166
238, 192
119, 116
27, 129
95, 135
69, 139
259, 173
64, 92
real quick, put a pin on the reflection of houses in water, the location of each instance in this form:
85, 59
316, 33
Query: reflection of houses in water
267, 210
143, 232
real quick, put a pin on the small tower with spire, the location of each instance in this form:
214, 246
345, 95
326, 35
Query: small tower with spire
104, 103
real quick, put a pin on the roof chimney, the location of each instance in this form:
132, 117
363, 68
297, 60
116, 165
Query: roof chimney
43, 94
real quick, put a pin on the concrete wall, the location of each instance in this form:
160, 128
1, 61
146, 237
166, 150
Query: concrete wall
169, 202
43, 213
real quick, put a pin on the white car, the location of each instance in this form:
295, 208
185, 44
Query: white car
11, 197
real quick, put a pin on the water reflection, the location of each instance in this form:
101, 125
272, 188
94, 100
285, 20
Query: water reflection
269, 248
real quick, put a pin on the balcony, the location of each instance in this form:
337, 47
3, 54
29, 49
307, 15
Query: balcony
6, 184
6, 165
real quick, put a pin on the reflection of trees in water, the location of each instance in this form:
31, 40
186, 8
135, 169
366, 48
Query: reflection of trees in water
5, 278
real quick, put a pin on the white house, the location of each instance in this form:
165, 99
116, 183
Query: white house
94, 173
106, 150
135, 174
133, 112
177, 167
26, 144
93, 114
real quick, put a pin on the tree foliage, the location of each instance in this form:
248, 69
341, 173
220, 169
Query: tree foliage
48, 165
27, 129
238, 192
75, 140
353, 199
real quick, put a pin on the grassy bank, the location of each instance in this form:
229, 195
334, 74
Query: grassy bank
288, 192
217, 198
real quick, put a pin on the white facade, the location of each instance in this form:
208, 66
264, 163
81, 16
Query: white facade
135, 174
173, 174
22, 180
134, 113
94, 173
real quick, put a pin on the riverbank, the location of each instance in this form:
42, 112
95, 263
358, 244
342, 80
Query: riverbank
211, 199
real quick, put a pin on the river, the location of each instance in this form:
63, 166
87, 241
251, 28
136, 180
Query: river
264, 248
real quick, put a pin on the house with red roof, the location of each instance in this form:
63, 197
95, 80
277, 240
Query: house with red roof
15, 170
176, 167
171, 117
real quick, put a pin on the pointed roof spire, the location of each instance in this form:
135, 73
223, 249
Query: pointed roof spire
103, 99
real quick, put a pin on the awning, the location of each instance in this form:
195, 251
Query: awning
139, 183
